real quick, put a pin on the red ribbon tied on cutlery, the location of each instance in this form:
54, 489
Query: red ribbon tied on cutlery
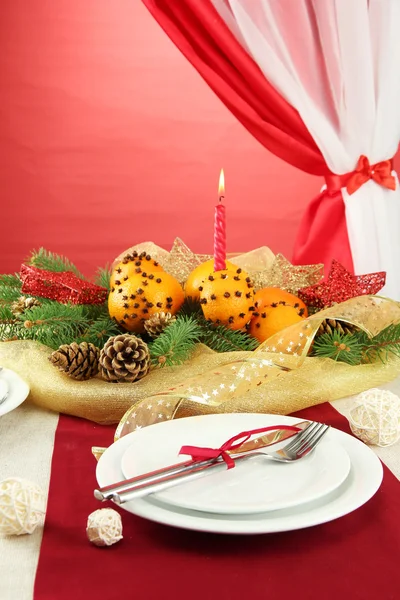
381, 173
198, 453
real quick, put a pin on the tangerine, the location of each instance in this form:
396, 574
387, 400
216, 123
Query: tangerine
200, 274
139, 296
133, 264
227, 298
272, 320
271, 295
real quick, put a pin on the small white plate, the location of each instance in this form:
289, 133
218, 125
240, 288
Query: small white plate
18, 390
255, 486
363, 481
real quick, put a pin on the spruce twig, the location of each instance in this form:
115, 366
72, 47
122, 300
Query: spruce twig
175, 344
221, 339
191, 307
217, 337
340, 347
359, 348
382, 345
103, 275
54, 324
10, 326
10, 288
99, 331
44, 259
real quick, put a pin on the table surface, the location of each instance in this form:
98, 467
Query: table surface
26, 445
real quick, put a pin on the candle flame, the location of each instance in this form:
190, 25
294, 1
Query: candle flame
221, 185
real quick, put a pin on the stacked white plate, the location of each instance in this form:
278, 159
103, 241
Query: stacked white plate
257, 496
13, 390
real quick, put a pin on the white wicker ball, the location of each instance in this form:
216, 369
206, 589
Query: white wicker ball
375, 417
22, 506
104, 527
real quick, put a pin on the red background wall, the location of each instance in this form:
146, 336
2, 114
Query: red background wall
108, 137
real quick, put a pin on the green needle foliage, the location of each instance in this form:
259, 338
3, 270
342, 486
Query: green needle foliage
191, 306
217, 337
10, 326
176, 342
10, 288
359, 348
99, 331
43, 259
382, 345
103, 276
338, 346
54, 324
222, 339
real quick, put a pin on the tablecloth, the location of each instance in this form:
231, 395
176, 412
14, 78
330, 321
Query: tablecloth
26, 447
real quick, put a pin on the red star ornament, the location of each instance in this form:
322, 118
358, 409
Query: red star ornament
341, 285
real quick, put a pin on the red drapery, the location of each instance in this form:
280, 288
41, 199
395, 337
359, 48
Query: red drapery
201, 35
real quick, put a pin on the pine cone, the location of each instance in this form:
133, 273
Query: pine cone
158, 322
124, 358
331, 325
22, 304
79, 361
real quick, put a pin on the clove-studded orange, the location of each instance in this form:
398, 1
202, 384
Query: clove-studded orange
133, 264
227, 298
272, 296
270, 320
200, 274
136, 297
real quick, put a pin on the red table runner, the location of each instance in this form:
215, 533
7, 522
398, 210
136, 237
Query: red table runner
353, 557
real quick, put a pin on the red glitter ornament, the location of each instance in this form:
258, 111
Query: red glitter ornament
341, 285
64, 287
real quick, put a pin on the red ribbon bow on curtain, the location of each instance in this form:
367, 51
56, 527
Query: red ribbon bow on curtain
381, 173
198, 453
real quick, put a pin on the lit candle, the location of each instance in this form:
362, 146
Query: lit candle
220, 227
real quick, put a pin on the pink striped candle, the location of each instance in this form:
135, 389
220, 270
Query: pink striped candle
220, 227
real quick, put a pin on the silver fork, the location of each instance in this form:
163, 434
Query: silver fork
301, 445
5, 396
297, 449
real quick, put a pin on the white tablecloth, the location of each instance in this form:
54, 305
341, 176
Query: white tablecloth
26, 446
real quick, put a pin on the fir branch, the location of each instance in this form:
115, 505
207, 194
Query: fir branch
103, 276
12, 331
175, 344
223, 339
99, 331
10, 326
10, 288
95, 311
54, 324
342, 347
217, 337
44, 259
10, 280
6, 314
191, 306
382, 345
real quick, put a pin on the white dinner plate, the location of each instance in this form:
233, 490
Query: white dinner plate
361, 484
254, 486
16, 388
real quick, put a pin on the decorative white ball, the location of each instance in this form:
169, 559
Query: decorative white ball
104, 527
375, 417
22, 506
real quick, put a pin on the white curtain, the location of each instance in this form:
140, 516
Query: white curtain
338, 63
